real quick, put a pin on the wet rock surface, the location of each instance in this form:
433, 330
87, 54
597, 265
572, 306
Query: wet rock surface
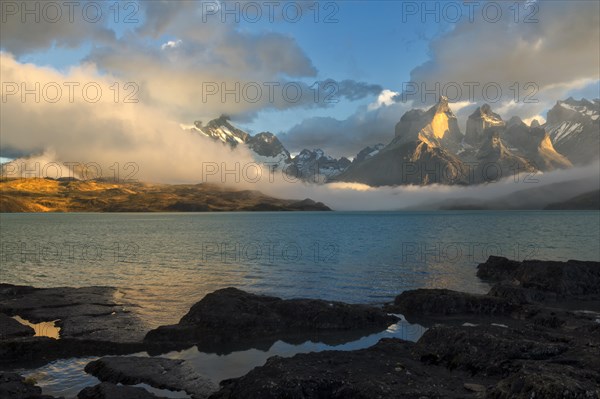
157, 372
547, 381
233, 315
441, 302
92, 321
107, 390
11, 328
38, 351
387, 370
492, 350
490, 361
536, 334
15, 386
574, 280
82, 313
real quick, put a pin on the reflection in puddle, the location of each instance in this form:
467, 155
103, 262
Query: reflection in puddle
66, 377
163, 393
62, 377
236, 364
43, 329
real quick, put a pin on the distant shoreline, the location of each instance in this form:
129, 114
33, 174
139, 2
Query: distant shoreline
67, 195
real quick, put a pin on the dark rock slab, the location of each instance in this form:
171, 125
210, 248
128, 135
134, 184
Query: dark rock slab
93, 321
234, 315
442, 302
516, 293
487, 349
82, 313
572, 279
490, 361
548, 381
14, 386
33, 352
386, 370
106, 390
498, 268
231, 308
10, 328
157, 372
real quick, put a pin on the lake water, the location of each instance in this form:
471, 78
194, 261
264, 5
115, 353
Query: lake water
166, 262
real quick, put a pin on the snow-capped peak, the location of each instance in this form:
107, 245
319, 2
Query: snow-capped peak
583, 107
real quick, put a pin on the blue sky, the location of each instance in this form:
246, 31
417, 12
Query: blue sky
367, 44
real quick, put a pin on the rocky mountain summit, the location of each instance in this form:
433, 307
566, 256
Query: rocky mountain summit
480, 120
574, 128
428, 147
309, 165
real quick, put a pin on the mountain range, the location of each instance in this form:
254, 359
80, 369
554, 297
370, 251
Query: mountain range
308, 165
428, 147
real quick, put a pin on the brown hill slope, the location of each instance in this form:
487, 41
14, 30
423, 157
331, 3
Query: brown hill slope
49, 195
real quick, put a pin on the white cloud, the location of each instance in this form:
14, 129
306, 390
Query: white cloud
534, 64
348, 136
171, 44
385, 98
541, 120
104, 131
31, 26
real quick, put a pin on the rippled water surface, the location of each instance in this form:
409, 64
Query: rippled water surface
167, 262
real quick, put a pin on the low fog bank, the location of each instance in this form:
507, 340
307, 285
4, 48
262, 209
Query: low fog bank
514, 192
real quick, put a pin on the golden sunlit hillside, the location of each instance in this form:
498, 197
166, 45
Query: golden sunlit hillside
50, 195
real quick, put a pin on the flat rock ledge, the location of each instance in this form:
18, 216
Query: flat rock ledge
92, 322
157, 372
91, 313
230, 315
11, 328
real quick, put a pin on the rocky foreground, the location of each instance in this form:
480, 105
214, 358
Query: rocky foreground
536, 334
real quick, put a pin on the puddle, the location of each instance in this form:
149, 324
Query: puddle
236, 364
163, 393
43, 329
63, 377
66, 377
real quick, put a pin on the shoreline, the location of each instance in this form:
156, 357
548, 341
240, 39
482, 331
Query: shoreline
536, 331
